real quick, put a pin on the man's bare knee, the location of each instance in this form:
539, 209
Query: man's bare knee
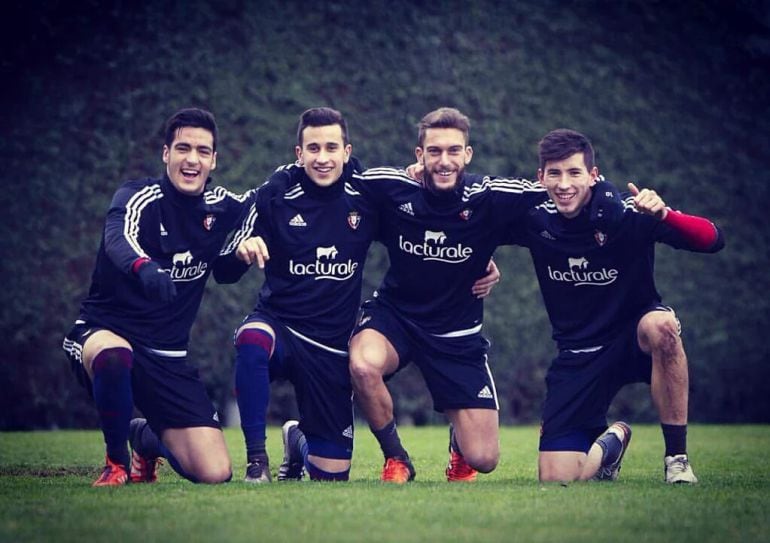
659, 335
213, 473
484, 461
368, 362
363, 374
559, 467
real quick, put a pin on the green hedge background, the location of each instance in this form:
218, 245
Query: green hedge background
674, 96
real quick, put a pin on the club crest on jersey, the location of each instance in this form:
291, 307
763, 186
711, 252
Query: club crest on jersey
465, 214
354, 219
600, 237
209, 221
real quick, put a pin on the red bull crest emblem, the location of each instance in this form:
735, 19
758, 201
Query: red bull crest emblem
600, 237
354, 219
209, 221
465, 214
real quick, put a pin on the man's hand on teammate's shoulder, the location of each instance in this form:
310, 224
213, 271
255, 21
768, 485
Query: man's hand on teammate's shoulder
415, 171
483, 286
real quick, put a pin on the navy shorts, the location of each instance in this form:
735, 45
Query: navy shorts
455, 369
166, 389
581, 384
321, 380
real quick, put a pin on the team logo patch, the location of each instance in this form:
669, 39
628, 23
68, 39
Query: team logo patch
329, 253
325, 266
579, 274
465, 214
600, 237
209, 221
433, 246
354, 219
184, 267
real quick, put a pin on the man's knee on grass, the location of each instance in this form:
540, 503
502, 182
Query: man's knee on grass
560, 466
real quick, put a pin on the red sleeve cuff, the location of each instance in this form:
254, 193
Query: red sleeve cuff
138, 263
699, 232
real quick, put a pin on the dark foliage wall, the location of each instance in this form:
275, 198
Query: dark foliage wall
673, 94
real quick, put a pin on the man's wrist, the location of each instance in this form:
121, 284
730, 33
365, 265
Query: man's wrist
138, 264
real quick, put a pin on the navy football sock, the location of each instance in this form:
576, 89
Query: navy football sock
453, 442
390, 442
174, 463
611, 448
145, 442
148, 444
298, 441
252, 387
114, 399
675, 438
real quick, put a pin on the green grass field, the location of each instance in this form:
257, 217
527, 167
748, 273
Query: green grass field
45, 495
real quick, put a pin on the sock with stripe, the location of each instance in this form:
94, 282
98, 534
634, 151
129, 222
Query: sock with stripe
252, 387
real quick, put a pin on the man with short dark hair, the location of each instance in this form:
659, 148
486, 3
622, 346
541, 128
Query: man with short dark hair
608, 319
129, 343
318, 227
318, 231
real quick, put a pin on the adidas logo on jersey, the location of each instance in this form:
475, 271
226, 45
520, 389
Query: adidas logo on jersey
163, 230
407, 208
485, 393
297, 220
546, 234
348, 432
